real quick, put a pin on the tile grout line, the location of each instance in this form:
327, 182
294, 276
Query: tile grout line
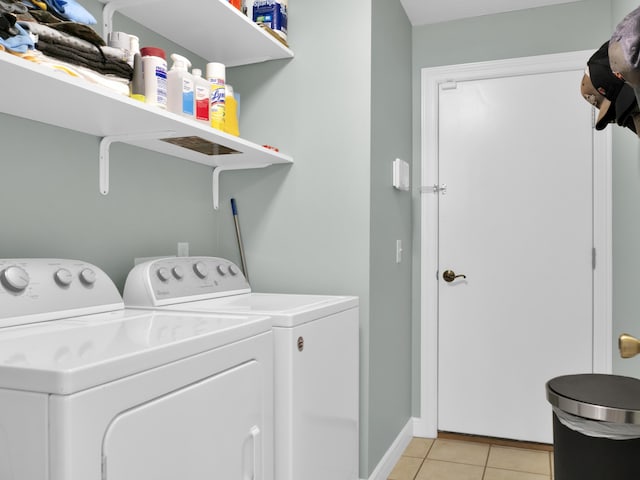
424, 459
486, 463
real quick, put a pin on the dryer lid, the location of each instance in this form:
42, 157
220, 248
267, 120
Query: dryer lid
286, 310
67, 356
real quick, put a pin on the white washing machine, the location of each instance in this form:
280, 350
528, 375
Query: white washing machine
90, 390
316, 356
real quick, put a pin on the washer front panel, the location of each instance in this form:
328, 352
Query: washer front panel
79, 422
174, 436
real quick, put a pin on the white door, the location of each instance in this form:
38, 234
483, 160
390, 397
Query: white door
515, 154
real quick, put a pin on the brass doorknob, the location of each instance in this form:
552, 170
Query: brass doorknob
450, 276
629, 346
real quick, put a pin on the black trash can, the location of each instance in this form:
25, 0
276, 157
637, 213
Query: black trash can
596, 427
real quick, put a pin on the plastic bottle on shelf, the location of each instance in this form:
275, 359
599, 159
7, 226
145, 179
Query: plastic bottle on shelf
180, 91
216, 77
201, 87
154, 68
136, 87
230, 112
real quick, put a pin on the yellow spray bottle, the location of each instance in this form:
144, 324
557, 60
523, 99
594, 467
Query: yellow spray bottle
216, 77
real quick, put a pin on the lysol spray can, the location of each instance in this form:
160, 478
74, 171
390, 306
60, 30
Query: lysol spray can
216, 77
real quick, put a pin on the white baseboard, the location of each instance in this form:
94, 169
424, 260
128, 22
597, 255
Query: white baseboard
425, 427
389, 460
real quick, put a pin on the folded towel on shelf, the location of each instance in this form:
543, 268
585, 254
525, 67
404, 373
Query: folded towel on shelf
13, 37
77, 51
109, 82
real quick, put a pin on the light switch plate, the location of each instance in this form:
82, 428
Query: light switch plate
401, 175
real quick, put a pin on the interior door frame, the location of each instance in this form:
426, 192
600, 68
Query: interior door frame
426, 425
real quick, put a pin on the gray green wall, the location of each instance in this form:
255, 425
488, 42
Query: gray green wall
390, 282
567, 27
327, 224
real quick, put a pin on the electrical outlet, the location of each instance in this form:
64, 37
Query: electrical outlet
183, 249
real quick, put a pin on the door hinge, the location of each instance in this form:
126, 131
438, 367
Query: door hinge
593, 258
593, 117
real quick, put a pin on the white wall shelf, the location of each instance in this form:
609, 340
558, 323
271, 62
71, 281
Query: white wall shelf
212, 29
53, 97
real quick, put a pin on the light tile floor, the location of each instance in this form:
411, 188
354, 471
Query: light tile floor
444, 459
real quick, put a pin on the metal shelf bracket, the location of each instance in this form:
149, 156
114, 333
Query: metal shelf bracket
105, 144
107, 14
215, 187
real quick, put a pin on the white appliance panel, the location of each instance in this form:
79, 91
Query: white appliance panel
37, 290
23, 435
316, 399
70, 355
187, 442
286, 310
79, 422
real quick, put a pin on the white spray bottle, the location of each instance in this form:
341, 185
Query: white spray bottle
180, 87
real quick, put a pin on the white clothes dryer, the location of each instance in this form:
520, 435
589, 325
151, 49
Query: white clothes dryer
316, 357
90, 390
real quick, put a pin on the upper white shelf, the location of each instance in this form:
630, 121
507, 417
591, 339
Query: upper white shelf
55, 98
213, 29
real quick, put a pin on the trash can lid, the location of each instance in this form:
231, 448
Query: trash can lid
609, 398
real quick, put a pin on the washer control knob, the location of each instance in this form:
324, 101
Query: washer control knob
222, 270
201, 269
163, 274
233, 270
15, 278
178, 272
63, 277
88, 276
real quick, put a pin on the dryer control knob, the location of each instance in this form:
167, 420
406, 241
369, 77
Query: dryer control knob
178, 272
201, 269
163, 274
88, 276
15, 278
63, 277
233, 270
222, 270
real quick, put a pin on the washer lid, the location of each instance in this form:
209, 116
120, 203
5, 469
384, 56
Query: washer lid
609, 398
286, 310
66, 356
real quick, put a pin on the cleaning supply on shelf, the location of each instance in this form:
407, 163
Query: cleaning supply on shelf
154, 68
216, 75
230, 112
136, 86
272, 13
129, 44
201, 90
180, 91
